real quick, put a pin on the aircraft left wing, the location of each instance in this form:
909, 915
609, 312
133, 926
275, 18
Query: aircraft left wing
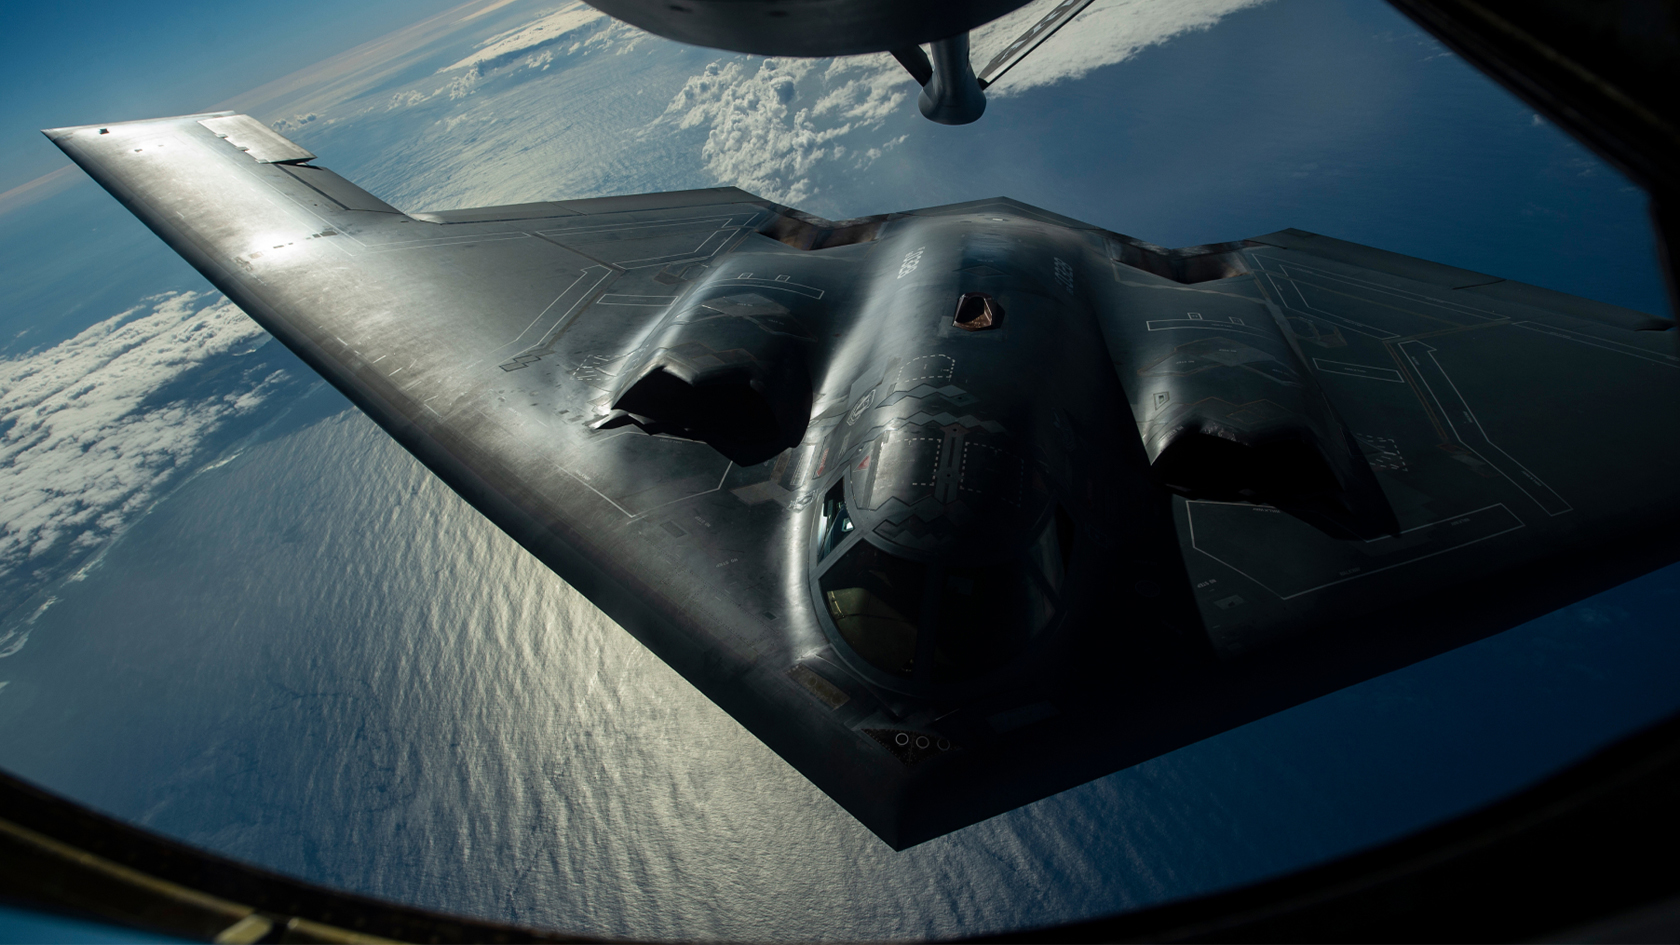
486, 341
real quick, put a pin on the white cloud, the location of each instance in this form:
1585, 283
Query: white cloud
536, 45
787, 129
760, 138
866, 89
89, 440
553, 29
406, 99
295, 122
1106, 33
754, 139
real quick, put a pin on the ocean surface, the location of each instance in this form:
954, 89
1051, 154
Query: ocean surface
371, 687
261, 627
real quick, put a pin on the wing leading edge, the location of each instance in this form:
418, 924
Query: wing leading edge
487, 342
507, 348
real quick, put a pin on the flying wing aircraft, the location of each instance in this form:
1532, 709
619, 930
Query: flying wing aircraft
959, 507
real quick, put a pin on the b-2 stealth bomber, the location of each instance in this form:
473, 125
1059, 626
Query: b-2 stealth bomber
959, 507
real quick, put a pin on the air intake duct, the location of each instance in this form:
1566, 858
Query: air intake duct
730, 371
1229, 412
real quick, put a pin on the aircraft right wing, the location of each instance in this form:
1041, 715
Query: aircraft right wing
1508, 427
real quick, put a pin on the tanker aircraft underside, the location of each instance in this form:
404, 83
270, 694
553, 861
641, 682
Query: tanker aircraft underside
959, 507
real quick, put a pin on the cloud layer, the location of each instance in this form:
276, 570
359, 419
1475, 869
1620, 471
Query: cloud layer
562, 27
1106, 33
555, 101
760, 135
773, 124
90, 434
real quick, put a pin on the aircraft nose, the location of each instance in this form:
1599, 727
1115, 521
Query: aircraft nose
935, 484
953, 617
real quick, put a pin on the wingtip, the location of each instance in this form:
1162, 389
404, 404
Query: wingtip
58, 134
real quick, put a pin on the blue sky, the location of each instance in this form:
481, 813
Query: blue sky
108, 60
69, 64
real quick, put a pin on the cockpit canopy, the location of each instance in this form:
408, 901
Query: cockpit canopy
938, 622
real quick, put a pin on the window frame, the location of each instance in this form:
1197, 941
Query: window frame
922, 681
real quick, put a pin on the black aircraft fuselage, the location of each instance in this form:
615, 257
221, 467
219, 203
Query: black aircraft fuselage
942, 552
972, 444
975, 495
955, 508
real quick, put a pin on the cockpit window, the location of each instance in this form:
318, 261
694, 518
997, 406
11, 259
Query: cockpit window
986, 616
875, 600
836, 522
968, 619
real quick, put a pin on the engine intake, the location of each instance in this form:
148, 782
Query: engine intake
730, 372
1235, 416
